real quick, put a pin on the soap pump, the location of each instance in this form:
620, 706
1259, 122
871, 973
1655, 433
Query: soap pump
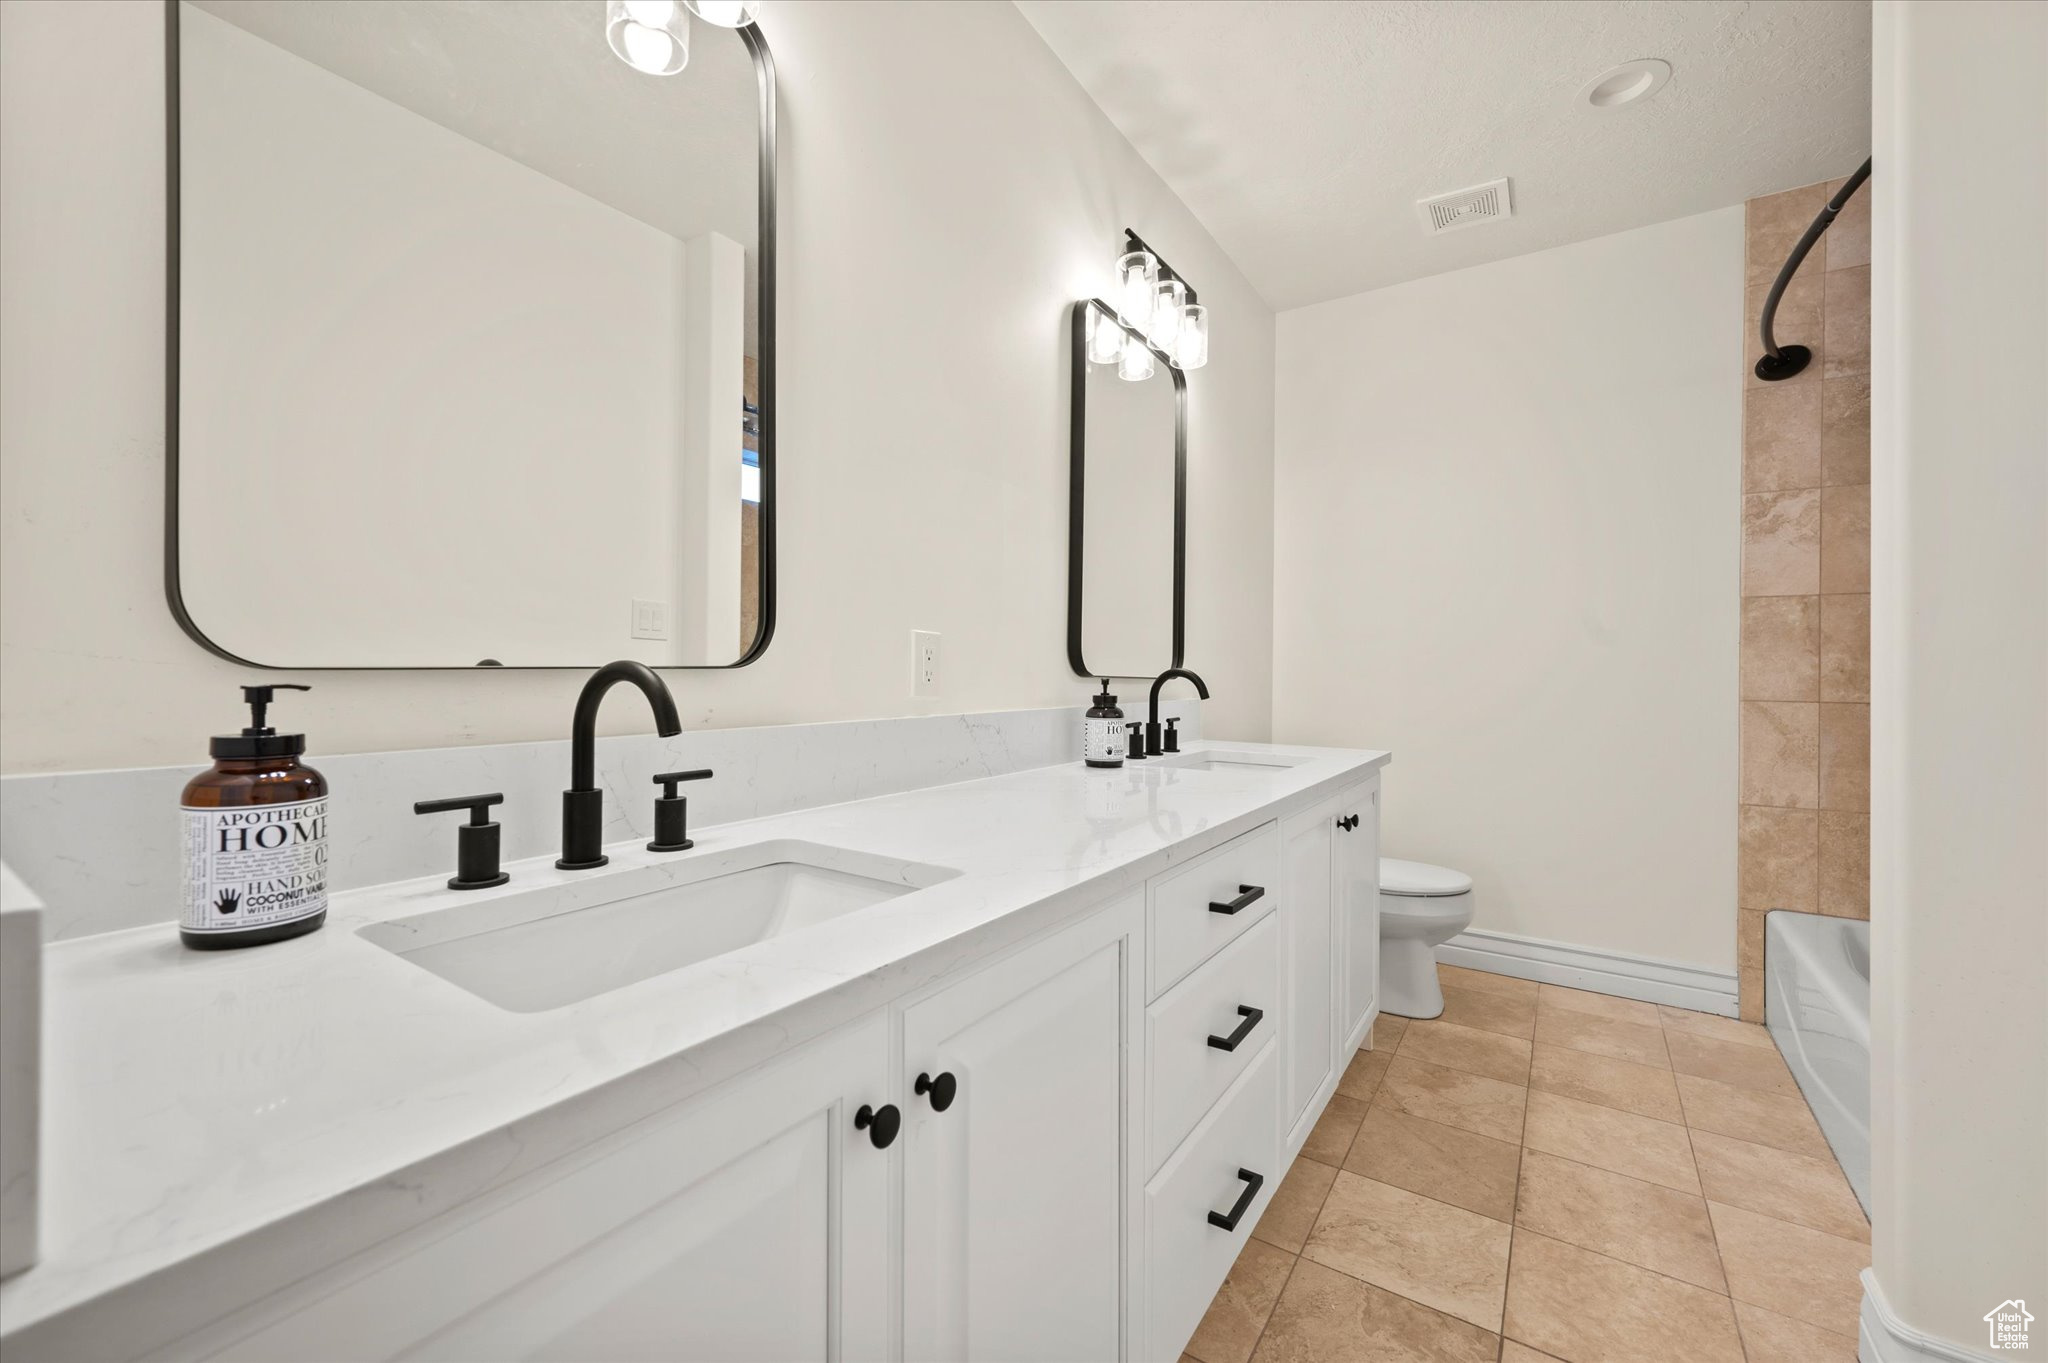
255, 837
1102, 732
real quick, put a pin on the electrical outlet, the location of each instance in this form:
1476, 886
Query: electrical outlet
650, 619
924, 662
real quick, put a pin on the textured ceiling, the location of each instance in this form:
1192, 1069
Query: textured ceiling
1302, 132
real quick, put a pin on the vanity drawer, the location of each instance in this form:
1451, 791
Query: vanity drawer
1186, 1073
1183, 929
1187, 1254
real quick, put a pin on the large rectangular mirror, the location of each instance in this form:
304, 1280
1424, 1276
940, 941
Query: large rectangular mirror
1127, 520
473, 335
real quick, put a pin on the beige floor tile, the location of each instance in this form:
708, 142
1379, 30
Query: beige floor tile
1599, 1005
1748, 1114
1489, 1011
1329, 1317
1457, 977
1462, 1168
1624, 1218
1386, 1031
1634, 1041
1238, 1313
1330, 1139
1806, 1274
1714, 1026
1761, 1178
1470, 1102
1641, 1089
1589, 1308
1608, 1138
1361, 1078
1445, 1257
1292, 1213
1469, 1049
1772, 1338
1511, 1352
1730, 1062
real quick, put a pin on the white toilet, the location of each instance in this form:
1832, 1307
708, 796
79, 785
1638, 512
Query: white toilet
1421, 907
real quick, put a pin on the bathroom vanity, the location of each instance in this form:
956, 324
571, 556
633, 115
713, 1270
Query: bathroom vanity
1009, 1067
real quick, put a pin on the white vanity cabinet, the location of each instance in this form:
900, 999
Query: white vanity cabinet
1355, 910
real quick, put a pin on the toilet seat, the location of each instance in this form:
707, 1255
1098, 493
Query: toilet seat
1420, 880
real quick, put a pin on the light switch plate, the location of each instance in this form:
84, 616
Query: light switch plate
924, 662
650, 619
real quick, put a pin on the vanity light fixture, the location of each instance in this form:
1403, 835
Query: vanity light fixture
1191, 342
1136, 362
1137, 282
651, 36
1105, 337
726, 13
1167, 303
1176, 322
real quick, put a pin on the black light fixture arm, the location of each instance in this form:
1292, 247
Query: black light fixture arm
1780, 363
1134, 242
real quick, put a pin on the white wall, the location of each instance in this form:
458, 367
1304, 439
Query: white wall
1506, 549
946, 190
1959, 652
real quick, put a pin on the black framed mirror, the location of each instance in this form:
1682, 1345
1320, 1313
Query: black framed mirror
471, 336
1127, 512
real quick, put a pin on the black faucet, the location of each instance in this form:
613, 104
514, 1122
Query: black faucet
1152, 725
583, 802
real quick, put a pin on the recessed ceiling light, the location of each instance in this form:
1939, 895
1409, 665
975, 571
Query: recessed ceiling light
1627, 83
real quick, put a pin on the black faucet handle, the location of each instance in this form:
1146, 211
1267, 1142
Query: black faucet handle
476, 842
668, 780
1173, 733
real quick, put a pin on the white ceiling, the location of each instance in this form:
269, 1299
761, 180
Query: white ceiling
1302, 132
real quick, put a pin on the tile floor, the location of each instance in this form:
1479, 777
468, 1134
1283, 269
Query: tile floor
1544, 1173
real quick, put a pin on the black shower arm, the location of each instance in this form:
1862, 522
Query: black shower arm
1774, 358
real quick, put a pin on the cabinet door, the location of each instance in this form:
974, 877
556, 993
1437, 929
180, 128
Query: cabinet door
1355, 889
1013, 1196
1305, 960
653, 1243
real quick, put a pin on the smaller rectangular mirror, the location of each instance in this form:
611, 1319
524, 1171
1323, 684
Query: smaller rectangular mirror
1126, 564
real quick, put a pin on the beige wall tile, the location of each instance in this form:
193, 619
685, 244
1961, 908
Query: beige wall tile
1798, 322
1845, 757
1845, 647
1805, 1274
1847, 240
1462, 1168
1847, 303
1508, 1014
1781, 437
1845, 430
1845, 539
1576, 1304
1752, 1115
1797, 1188
1445, 1257
1781, 648
1749, 964
1772, 226
1631, 1041
1728, 1062
1469, 1102
1776, 858
1608, 1138
1844, 864
1292, 1213
1468, 1049
1329, 1317
1642, 1089
1772, 1338
1639, 1223
1780, 754
1238, 1312
1781, 543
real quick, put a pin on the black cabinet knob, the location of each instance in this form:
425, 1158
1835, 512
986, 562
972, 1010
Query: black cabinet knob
940, 1092
476, 842
881, 1123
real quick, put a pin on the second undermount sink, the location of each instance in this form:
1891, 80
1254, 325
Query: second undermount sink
1230, 759
561, 944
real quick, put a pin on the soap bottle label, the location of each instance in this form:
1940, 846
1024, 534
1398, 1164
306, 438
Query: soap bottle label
1102, 741
254, 866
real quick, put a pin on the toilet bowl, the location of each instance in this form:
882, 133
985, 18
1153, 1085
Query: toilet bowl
1421, 907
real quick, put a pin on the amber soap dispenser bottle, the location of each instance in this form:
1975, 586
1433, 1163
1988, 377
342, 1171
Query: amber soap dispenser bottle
255, 838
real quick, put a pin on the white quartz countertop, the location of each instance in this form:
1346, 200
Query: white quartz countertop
197, 1102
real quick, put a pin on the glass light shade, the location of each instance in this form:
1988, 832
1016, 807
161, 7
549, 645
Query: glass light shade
1167, 301
1136, 362
726, 13
1137, 279
651, 36
1191, 341
1105, 338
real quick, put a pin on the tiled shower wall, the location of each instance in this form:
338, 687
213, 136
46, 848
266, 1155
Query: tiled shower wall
1804, 817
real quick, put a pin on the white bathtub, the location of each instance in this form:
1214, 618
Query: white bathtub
1817, 1002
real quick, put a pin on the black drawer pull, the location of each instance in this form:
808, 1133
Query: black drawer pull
1252, 1183
1251, 1018
1246, 894
880, 1123
940, 1091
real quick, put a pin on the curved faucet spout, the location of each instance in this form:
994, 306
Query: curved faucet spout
1152, 744
583, 734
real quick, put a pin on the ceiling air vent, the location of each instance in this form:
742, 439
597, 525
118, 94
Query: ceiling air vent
1466, 208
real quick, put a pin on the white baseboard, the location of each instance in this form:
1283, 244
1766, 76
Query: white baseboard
1606, 972
1881, 1337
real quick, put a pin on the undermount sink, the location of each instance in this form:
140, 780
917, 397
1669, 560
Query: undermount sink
559, 945
1230, 759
